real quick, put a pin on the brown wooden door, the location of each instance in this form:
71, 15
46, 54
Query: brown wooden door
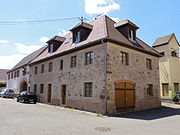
64, 94
49, 93
124, 96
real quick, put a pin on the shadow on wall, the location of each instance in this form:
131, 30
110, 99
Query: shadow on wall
152, 114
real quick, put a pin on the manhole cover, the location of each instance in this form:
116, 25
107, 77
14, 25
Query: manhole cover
103, 129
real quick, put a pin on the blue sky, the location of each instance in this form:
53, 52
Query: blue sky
154, 17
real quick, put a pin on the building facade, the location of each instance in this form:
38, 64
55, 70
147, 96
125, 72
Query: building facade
18, 78
99, 66
169, 64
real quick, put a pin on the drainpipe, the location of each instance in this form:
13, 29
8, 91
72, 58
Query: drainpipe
105, 105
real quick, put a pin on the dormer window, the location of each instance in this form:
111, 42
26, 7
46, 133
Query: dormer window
127, 29
51, 48
77, 37
81, 32
131, 35
54, 43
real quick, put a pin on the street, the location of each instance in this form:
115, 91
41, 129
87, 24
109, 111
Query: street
41, 119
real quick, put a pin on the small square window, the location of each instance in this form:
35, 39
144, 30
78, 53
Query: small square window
88, 89
73, 61
61, 65
149, 63
35, 70
89, 58
50, 67
124, 58
42, 68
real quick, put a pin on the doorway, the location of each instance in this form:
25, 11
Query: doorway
63, 94
49, 93
165, 89
124, 96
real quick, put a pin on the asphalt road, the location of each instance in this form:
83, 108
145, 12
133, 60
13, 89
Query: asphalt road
40, 119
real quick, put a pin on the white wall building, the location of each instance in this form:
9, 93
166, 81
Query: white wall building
18, 77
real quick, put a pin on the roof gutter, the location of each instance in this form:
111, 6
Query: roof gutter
93, 43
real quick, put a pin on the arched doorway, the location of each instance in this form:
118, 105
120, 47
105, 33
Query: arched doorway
124, 95
23, 86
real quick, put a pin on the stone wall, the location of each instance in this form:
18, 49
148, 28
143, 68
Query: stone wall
137, 72
74, 79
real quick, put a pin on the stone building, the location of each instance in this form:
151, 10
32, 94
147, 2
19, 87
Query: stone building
99, 66
169, 64
19, 76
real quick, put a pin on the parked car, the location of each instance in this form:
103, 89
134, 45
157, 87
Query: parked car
7, 93
27, 96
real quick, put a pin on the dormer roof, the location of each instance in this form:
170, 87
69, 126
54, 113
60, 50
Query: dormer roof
82, 24
56, 38
125, 22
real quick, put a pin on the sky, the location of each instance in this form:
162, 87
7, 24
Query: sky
155, 18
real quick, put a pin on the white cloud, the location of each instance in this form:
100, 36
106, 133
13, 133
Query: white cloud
62, 33
43, 39
4, 41
100, 6
8, 62
26, 49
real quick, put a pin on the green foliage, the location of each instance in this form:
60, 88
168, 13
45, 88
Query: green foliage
2, 84
174, 97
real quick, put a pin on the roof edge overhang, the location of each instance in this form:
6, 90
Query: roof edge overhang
93, 43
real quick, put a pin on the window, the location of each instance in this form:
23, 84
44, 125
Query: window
24, 71
35, 70
12, 75
15, 74
18, 73
9, 76
77, 37
149, 63
73, 61
89, 58
162, 53
150, 89
42, 68
35, 88
51, 48
61, 65
124, 58
176, 87
132, 35
88, 89
50, 67
41, 88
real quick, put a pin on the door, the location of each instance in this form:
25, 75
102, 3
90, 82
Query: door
165, 89
124, 96
49, 93
64, 94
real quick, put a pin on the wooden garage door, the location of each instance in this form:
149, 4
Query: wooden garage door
124, 96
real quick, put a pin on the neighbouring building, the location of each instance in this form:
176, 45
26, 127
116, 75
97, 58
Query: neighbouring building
3, 78
101, 66
169, 64
19, 76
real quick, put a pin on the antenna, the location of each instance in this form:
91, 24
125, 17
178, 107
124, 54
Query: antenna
82, 19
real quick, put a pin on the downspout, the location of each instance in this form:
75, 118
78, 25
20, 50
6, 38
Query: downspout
105, 105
